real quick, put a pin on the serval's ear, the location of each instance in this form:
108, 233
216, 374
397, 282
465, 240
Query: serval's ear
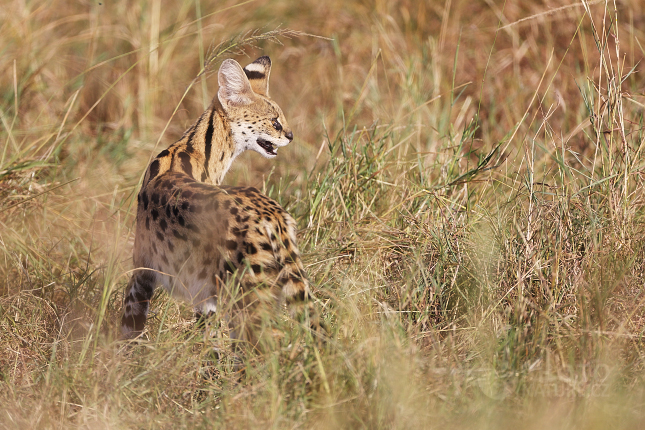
234, 87
258, 74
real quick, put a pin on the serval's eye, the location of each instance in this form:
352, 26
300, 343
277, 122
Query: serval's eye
276, 124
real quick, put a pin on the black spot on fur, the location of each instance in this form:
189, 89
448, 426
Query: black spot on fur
256, 268
286, 277
155, 214
160, 236
266, 246
186, 167
250, 248
208, 142
146, 281
202, 274
300, 296
163, 153
147, 223
222, 157
238, 231
155, 198
164, 259
168, 211
164, 200
186, 194
171, 247
292, 257
193, 228
254, 74
144, 199
163, 224
233, 210
181, 221
154, 169
193, 130
154, 248
231, 245
240, 257
175, 210
179, 235
134, 322
140, 296
184, 206
196, 243
229, 267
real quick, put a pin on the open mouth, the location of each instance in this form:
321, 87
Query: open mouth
268, 147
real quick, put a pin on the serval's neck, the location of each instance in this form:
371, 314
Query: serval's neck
205, 151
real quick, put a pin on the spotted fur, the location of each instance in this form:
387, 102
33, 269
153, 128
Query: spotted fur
208, 244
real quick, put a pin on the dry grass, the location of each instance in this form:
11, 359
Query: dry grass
467, 178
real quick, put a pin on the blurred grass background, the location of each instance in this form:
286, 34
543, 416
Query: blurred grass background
466, 177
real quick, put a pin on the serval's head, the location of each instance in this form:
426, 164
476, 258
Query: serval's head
256, 121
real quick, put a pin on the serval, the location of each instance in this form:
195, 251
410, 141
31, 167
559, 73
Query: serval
201, 240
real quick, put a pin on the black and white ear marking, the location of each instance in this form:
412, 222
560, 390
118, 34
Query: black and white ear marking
258, 74
234, 87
